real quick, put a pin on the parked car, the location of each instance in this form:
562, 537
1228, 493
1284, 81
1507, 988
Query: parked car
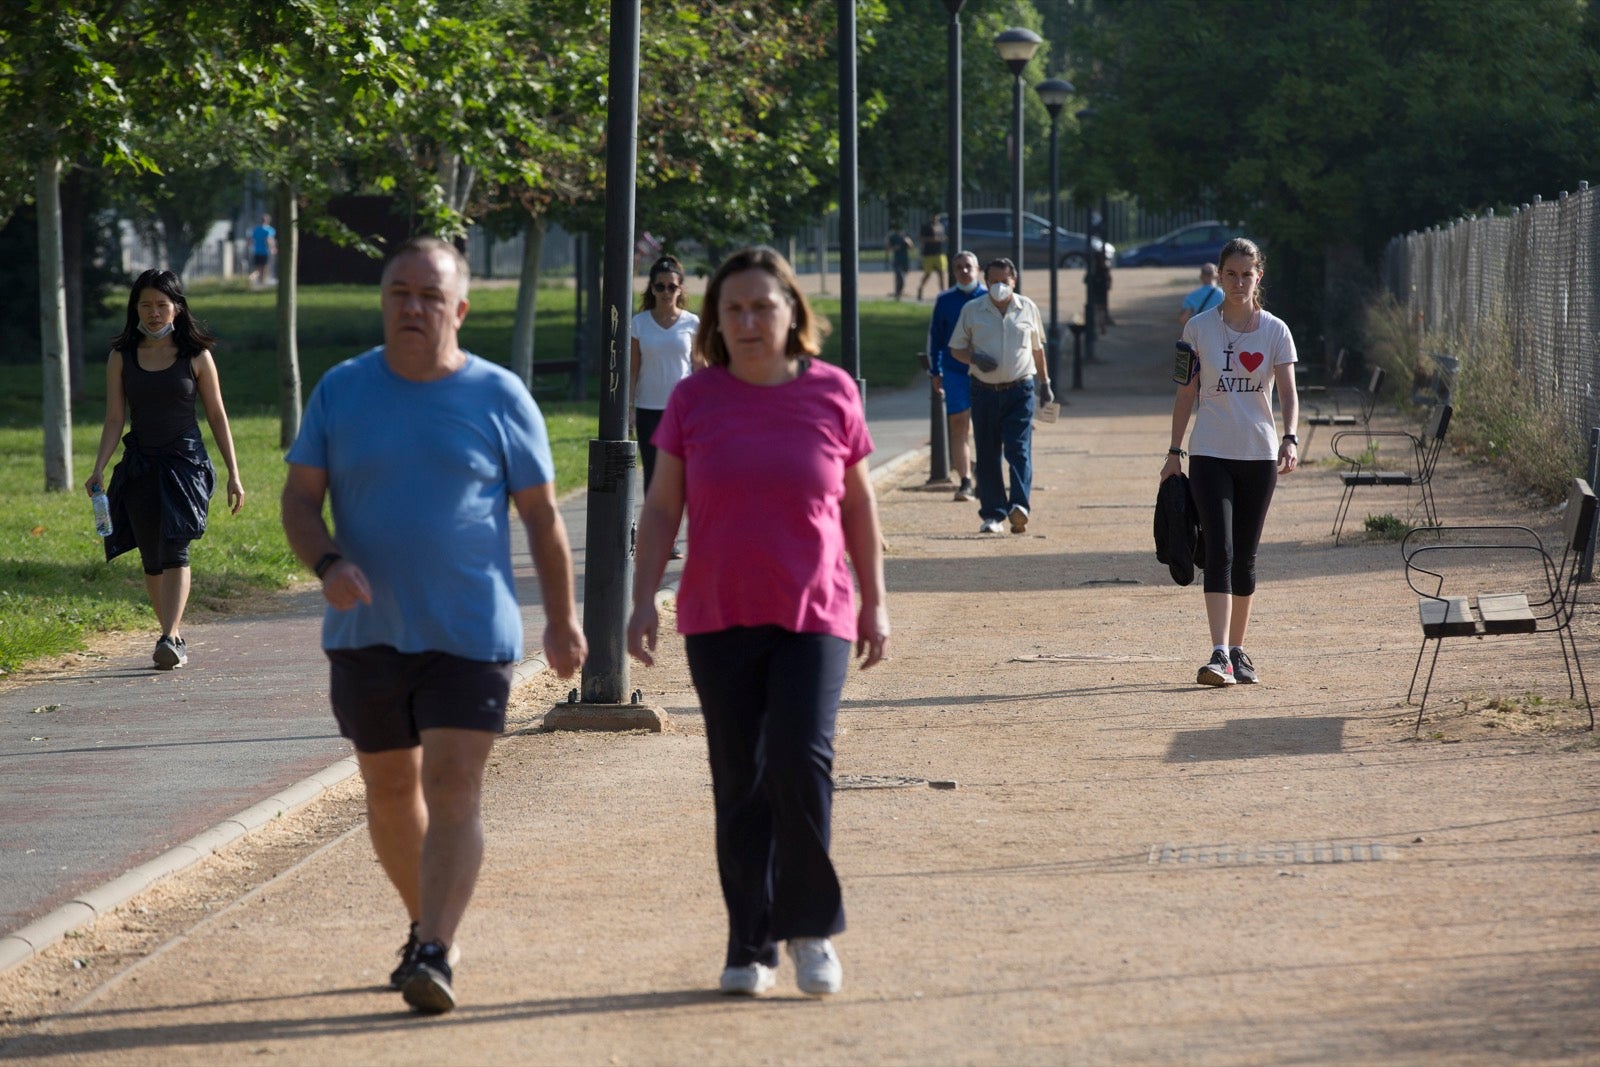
987, 234
1187, 246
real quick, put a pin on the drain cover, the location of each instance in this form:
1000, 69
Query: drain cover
877, 781
1293, 852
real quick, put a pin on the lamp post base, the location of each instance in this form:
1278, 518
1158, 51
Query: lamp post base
607, 718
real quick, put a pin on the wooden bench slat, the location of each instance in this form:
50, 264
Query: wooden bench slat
1377, 478
1332, 420
1450, 617
1506, 613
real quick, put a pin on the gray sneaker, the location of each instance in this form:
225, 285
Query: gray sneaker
1218, 670
1244, 672
170, 653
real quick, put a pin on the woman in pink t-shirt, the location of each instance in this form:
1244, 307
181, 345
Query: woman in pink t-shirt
768, 450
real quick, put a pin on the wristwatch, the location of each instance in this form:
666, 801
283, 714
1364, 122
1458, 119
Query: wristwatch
322, 565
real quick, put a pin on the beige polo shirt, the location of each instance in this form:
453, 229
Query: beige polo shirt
1010, 337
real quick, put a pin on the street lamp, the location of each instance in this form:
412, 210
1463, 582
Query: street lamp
1016, 46
1055, 93
1085, 119
952, 77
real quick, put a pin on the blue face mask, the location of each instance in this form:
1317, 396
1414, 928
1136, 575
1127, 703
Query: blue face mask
967, 287
155, 335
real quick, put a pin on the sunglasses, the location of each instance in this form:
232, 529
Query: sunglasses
666, 287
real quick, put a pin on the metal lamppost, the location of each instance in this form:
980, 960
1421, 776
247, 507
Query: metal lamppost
1085, 118
952, 76
849, 219
1016, 46
1055, 93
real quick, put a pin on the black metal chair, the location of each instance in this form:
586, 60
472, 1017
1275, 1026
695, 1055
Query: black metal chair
1365, 472
1479, 551
1366, 401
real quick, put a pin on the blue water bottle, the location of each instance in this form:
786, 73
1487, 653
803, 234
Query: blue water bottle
102, 511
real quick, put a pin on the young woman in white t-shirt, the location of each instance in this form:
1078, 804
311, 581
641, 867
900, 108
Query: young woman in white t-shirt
1244, 352
662, 354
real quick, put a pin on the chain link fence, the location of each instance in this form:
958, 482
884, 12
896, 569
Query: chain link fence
1534, 274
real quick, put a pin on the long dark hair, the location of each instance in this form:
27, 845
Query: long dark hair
664, 265
188, 332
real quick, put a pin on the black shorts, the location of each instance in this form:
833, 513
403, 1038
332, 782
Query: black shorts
383, 698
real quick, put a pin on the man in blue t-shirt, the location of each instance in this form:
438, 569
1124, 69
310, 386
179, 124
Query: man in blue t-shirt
951, 375
263, 246
1208, 296
423, 449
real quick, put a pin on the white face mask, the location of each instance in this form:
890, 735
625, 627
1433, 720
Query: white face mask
155, 335
967, 287
999, 292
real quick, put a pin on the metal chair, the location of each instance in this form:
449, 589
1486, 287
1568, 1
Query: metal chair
1366, 400
1474, 551
1363, 471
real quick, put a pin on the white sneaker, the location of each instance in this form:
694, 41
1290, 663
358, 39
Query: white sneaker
751, 980
990, 526
816, 965
1019, 519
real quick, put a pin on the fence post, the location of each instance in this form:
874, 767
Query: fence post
1586, 571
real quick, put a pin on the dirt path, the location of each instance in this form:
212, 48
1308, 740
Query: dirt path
1131, 868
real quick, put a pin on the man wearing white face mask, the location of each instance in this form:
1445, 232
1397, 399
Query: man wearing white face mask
1002, 339
950, 375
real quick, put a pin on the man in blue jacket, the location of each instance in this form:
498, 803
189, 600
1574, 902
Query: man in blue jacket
951, 374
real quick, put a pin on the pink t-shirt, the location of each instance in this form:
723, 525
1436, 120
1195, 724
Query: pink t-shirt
763, 470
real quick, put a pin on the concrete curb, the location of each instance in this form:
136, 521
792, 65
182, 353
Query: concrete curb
25, 943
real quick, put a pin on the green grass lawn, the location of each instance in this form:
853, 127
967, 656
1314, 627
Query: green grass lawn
55, 586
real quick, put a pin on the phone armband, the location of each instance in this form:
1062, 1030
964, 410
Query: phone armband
1185, 364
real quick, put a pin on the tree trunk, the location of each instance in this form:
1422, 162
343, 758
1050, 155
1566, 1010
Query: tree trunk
527, 298
288, 301
72, 215
53, 331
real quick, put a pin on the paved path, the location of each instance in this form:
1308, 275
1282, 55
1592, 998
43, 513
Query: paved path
104, 770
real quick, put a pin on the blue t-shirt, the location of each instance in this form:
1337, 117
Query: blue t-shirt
420, 475
946, 311
1203, 299
261, 240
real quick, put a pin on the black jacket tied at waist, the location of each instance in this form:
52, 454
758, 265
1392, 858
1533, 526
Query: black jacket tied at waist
183, 476
1179, 542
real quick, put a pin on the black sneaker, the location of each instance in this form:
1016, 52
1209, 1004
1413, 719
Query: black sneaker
427, 987
1244, 672
170, 653
1218, 670
964, 491
408, 956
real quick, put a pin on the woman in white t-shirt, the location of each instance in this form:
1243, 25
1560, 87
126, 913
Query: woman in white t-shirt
1243, 352
661, 355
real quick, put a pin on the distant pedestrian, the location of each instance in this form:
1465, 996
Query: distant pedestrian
1204, 298
934, 264
662, 355
161, 491
263, 246
950, 374
899, 246
1001, 337
768, 448
424, 449
1244, 352
1100, 290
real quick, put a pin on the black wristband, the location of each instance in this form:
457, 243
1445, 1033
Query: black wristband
323, 564
1291, 439
1180, 453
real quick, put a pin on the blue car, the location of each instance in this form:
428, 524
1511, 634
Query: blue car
1187, 246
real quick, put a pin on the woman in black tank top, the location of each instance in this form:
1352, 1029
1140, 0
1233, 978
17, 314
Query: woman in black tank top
161, 490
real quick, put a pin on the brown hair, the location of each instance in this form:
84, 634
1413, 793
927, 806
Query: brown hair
807, 330
1243, 246
664, 265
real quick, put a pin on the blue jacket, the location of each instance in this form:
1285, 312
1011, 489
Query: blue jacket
946, 310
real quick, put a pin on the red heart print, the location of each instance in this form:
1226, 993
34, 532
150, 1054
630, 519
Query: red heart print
1251, 360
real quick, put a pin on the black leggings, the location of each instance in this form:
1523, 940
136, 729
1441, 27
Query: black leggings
646, 420
142, 500
1232, 496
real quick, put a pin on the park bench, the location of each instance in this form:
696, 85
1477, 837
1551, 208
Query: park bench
1365, 472
1365, 399
1489, 554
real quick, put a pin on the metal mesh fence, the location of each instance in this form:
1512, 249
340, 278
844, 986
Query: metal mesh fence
1534, 274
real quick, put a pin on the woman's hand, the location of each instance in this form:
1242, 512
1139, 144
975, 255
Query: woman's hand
872, 634
1288, 457
1173, 465
235, 494
97, 480
642, 632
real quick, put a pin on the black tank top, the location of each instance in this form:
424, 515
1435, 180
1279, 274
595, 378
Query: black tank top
160, 403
